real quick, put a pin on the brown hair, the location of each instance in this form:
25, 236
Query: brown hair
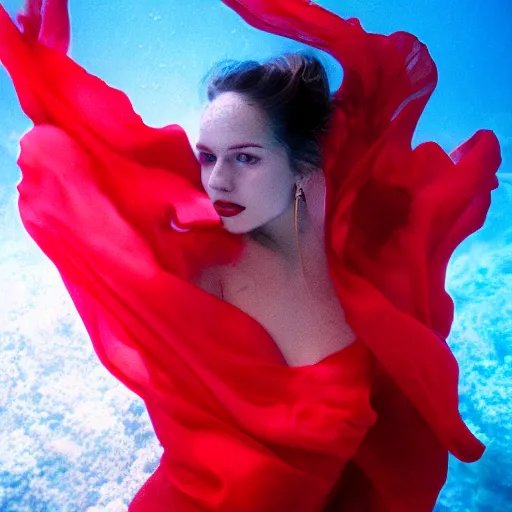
293, 90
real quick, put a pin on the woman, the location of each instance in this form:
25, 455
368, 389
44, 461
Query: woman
277, 376
258, 145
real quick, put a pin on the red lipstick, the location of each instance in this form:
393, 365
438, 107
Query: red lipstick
226, 209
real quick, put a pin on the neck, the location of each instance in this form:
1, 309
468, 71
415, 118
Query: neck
279, 235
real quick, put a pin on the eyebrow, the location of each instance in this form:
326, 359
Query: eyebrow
238, 146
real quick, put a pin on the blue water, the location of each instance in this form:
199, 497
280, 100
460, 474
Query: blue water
71, 437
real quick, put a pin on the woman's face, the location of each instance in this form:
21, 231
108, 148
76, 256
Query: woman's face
242, 164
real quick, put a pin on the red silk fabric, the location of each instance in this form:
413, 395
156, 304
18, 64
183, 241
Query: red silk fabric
368, 428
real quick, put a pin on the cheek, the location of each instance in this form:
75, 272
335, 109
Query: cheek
277, 189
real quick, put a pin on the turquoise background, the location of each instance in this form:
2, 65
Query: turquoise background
71, 437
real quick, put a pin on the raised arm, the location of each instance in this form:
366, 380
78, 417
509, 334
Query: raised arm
309, 23
381, 73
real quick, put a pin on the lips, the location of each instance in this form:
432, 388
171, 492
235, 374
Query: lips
226, 209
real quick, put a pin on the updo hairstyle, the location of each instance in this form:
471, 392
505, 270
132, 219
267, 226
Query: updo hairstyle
293, 90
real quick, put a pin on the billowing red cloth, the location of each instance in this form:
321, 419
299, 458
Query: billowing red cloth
368, 428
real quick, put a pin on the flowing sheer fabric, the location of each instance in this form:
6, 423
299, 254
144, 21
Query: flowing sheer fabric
368, 428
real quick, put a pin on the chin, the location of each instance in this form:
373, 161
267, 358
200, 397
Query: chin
243, 226
235, 228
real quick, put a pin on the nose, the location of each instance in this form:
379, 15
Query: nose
221, 178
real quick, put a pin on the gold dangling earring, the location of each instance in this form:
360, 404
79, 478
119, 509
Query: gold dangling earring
299, 194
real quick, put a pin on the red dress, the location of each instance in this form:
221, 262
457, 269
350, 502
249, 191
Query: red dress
368, 428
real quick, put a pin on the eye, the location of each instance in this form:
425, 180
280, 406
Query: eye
244, 158
248, 159
204, 158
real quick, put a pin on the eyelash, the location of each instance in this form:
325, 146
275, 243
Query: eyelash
203, 156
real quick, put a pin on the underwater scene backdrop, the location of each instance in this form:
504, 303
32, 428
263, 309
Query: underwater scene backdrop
71, 437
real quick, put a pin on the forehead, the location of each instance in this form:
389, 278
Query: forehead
229, 115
